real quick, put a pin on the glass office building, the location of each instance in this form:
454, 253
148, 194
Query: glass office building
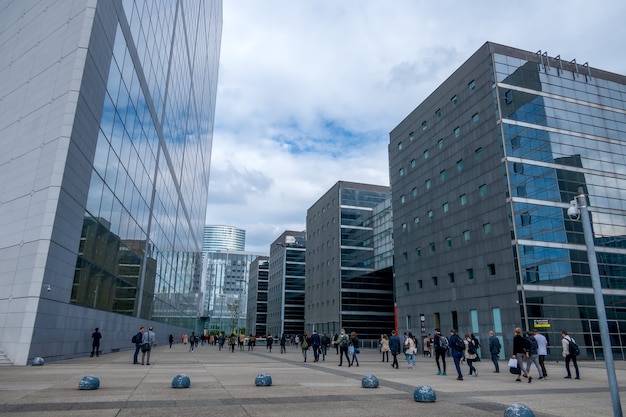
483, 172
220, 237
349, 261
107, 122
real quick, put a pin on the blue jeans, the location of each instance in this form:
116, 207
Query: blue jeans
457, 364
410, 359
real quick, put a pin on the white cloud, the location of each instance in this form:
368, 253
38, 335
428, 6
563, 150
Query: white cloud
309, 90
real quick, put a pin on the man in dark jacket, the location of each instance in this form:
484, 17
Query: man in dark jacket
316, 342
494, 349
138, 339
456, 353
395, 347
95, 345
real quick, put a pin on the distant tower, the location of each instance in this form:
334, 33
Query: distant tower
220, 237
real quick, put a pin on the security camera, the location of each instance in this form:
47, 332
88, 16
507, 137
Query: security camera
573, 211
48, 287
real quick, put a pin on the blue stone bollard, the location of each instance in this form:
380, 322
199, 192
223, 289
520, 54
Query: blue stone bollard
89, 382
518, 410
181, 381
37, 361
424, 394
369, 381
263, 380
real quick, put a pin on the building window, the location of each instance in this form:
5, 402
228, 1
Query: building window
518, 168
413, 163
449, 242
532, 274
446, 207
478, 153
414, 191
426, 154
475, 118
432, 247
454, 101
430, 214
402, 199
515, 142
491, 268
466, 235
400, 146
404, 227
438, 113
420, 284
525, 217
521, 191
418, 252
471, 85
483, 190
470, 273
416, 220
440, 143
401, 171
463, 199
434, 280
405, 255
442, 175
406, 286
424, 126
428, 184
451, 277
457, 131
459, 165
487, 228
411, 136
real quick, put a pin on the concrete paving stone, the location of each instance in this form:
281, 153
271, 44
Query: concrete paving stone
223, 384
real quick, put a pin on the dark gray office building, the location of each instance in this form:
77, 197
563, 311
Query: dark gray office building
286, 284
256, 315
483, 172
349, 261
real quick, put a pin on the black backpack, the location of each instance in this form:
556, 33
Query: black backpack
471, 347
573, 347
459, 344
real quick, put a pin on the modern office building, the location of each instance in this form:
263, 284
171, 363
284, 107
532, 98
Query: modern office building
483, 172
220, 237
349, 261
106, 130
226, 290
286, 284
256, 318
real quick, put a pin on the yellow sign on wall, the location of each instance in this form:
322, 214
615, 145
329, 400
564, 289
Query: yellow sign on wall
541, 323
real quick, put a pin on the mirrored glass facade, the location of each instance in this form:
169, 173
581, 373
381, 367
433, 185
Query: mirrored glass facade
531, 130
108, 110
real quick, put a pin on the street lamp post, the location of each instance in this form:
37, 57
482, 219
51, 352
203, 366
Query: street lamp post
579, 209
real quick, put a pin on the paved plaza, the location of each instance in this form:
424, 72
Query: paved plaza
223, 384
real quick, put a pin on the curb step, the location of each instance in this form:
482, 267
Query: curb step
4, 360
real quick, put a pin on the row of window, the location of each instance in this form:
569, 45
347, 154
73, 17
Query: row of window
466, 235
460, 164
456, 132
482, 190
469, 275
454, 101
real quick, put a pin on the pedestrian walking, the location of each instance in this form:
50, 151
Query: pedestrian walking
410, 349
441, 345
494, 349
519, 352
343, 341
457, 350
137, 340
569, 354
394, 347
353, 349
470, 354
385, 348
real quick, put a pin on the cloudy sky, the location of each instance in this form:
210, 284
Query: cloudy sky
309, 90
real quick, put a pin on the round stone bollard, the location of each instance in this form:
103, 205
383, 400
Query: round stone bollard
518, 410
263, 380
38, 361
424, 394
181, 381
369, 381
89, 382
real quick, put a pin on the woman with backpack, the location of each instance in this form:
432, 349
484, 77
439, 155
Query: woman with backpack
470, 354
